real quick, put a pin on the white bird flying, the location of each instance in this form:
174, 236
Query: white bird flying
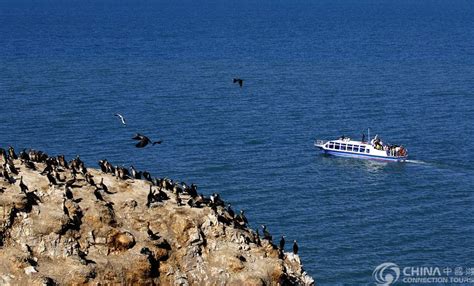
121, 118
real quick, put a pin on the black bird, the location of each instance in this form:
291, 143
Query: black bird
23, 187
30, 165
70, 182
230, 211
266, 234
65, 209
143, 141
259, 243
51, 179
7, 177
98, 195
239, 81
242, 217
12, 154
134, 173
90, 180
104, 187
68, 193
151, 234
3, 153
10, 167
147, 176
150, 198
295, 247
102, 166
47, 169
83, 257
282, 243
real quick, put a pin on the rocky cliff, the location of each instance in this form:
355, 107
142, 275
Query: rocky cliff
62, 223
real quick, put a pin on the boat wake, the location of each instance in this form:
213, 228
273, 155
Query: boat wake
417, 162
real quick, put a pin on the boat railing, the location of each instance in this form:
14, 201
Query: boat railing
320, 142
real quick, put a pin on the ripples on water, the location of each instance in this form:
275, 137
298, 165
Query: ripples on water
311, 69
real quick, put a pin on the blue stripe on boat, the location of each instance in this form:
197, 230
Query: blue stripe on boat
362, 155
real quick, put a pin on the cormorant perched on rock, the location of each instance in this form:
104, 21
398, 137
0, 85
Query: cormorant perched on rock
7, 177
295, 247
65, 209
266, 234
90, 180
134, 173
150, 198
241, 218
103, 187
258, 242
47, 169
10, 167
70, 182
3, 154
143, 140
23, 187
282, 243
239, 81
11, 153
151, 234
147, 176
62, 161
102, 166
98, 195
68, 193
29, 165
51, 179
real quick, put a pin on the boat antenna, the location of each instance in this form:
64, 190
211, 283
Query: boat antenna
368, 135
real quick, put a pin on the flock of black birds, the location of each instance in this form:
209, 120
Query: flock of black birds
55, 169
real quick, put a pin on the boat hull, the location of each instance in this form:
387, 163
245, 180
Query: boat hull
363, 156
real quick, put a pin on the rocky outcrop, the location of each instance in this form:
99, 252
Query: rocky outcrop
126, 231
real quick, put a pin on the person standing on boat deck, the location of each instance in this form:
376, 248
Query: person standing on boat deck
363, 137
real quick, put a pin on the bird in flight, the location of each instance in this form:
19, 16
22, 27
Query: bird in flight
121, 118
239, 81
143, 141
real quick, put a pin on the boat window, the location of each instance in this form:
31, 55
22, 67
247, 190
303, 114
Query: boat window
331, 145
349, 147
367, 151
343, 146
337, 146
356, 148
362, 149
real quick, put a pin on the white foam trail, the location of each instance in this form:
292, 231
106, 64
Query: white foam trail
417, 162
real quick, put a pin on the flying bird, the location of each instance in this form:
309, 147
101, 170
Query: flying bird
143, 141
121, 118
239, 81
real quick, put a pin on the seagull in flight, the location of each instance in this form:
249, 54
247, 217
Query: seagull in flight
121, 118
143, 141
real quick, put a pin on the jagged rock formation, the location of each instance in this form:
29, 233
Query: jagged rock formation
57, 230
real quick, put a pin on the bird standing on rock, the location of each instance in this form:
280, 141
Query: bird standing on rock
143, 141
282, 243
23, 187
151, 234
295, 247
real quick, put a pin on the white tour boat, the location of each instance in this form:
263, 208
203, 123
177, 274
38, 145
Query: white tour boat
370, 149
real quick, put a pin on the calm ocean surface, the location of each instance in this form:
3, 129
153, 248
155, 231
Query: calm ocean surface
312, 69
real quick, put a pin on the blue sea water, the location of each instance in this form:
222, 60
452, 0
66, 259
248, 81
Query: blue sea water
312, 69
